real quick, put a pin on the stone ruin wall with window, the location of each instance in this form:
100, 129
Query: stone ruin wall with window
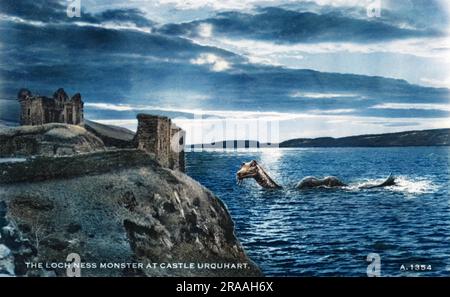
155, 135
38, 110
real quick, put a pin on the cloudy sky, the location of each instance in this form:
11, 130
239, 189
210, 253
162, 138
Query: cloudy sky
236, 68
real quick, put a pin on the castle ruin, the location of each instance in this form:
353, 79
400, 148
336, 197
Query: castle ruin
156, 135
159, 136
38, 110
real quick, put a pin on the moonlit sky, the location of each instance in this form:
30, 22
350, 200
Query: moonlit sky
235, 69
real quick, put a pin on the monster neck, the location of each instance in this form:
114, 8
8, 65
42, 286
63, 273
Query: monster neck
264, 180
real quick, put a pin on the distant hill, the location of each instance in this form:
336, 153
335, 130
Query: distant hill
111, 135
231, 144
8, 124
435, 137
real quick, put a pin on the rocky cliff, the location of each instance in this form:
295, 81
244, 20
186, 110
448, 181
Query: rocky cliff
117, 207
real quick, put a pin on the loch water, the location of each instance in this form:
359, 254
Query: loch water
331, 232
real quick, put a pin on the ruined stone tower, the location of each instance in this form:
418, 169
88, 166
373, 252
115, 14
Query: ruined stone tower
159, 136
38, 110
177, 136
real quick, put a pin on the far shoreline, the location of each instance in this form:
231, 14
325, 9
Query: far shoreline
239, 150
414, 138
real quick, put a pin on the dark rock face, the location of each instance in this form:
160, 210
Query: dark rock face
15, 249
47, 140
141, 212
436, 137
109, 205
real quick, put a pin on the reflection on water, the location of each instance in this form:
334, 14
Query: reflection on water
330, 231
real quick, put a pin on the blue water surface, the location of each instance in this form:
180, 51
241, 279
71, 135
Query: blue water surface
330, 232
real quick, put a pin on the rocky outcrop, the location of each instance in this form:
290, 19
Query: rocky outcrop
6, 261
137, 213
6, 258
47, 140
15, 249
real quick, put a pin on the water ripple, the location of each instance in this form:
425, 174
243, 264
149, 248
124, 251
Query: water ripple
330, 232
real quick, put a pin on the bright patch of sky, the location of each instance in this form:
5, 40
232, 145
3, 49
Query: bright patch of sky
424, 61
313, 95
215, 63
208, 130
128, 57
423, 106
208, 126
419, 61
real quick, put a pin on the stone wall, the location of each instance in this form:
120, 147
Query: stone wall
154, 135
178, 137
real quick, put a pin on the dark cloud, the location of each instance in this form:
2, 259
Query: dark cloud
288, 26
73, 40
411, 13
133, 67
35, 10
55, 12
132, 15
